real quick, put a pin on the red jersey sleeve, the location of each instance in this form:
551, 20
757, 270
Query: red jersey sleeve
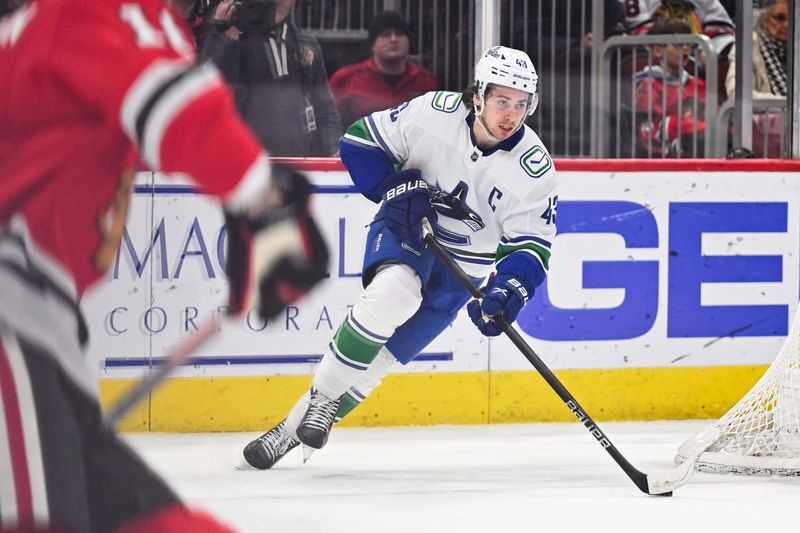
133, 64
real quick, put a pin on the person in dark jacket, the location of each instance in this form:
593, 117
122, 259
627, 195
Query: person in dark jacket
387, 78
277, 75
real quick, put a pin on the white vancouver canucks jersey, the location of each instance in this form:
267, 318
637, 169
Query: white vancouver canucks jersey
489, 204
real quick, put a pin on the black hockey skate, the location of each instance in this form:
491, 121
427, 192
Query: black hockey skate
270, 447
317, 421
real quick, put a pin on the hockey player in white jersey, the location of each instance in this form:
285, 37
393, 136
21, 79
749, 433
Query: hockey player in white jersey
468, 163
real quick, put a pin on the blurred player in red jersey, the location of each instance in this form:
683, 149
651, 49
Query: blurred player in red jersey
87, 90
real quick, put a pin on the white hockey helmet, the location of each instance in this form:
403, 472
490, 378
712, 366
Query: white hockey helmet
509, 68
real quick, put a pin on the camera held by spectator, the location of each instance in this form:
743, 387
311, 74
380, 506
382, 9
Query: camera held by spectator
253, 16
277, 73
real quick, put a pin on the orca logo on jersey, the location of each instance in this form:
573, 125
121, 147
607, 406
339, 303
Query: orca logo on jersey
454, 205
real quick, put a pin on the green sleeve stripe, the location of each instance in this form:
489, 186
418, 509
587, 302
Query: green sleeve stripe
540, 251
358, 130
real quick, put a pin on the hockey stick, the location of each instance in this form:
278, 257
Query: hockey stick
283, 238
657, 483
179, 356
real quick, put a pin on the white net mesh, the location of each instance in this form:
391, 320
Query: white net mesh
760, 435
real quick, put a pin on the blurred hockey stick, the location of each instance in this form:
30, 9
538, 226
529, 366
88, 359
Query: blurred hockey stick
656, 483
179, 356
285, 256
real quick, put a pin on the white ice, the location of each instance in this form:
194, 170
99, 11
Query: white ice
490, 478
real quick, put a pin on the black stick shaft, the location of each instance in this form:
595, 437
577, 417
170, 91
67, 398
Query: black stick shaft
638, 477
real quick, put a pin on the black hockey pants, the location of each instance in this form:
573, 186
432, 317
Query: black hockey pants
59, 465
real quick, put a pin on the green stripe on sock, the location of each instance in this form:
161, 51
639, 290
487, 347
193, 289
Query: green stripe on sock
355, 346
347, 404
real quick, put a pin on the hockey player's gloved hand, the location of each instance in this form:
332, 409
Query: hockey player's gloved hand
275, 250
505, 296
407, 203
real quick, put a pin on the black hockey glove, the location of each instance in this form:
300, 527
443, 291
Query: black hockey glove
505, 296
407, 202
276, 253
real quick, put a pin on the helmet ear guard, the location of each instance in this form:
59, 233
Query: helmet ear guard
534, 103
507, 67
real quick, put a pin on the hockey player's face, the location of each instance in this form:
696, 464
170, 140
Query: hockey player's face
503, 110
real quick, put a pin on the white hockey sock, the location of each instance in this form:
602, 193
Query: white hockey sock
392, 298
295, 416
367, 383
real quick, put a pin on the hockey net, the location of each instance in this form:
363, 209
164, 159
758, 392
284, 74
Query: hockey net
760, 435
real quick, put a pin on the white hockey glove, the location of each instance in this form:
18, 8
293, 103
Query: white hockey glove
275, 253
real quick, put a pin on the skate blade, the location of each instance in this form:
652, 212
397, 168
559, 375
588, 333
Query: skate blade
307, 451
244, 465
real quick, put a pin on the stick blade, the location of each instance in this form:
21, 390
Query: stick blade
663, 483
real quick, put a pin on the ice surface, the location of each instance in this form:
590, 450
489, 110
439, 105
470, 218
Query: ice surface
492, 478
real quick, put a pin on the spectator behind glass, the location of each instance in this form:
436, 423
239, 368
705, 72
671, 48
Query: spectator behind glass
707, 17
770, 54
558, 35
387, 78
669, 101
277, 74
770, 62
192, 12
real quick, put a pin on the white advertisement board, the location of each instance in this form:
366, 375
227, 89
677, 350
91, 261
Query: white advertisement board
649, 269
